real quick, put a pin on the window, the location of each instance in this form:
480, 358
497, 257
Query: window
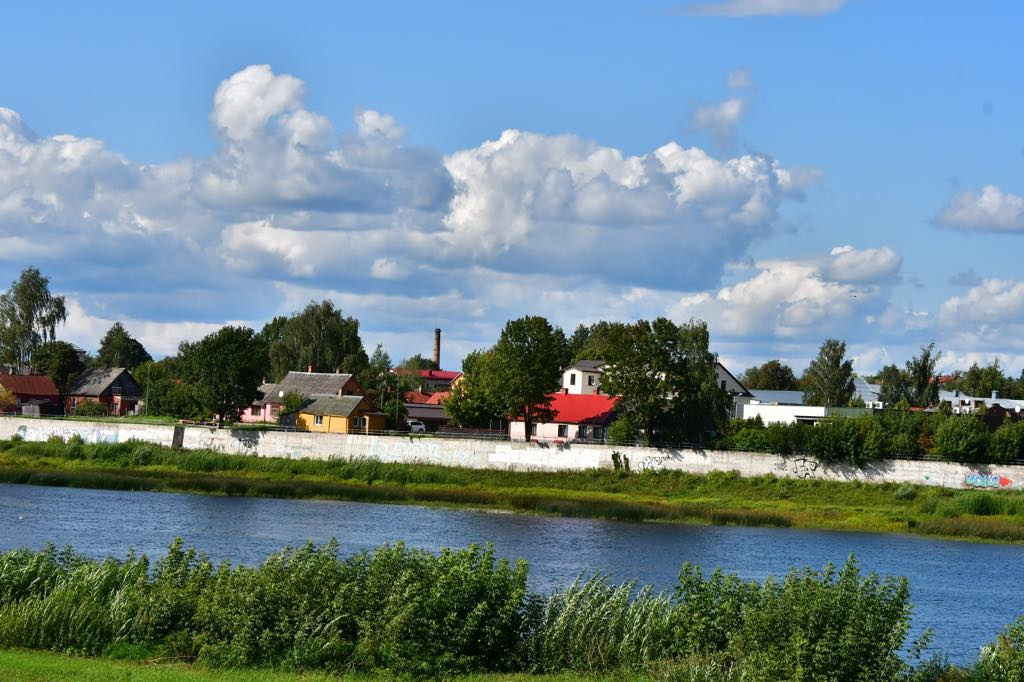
723, 384
590, 380
255, 411
597, 433
572, 378
359, 422
563, 430
533, 429
318, 420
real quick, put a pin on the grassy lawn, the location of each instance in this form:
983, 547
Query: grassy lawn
716, 498
34, 666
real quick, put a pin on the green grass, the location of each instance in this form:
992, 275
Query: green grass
34, 666
668, 496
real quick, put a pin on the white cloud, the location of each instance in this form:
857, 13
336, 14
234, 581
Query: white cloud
740, 79
863, 265
748, 8
991, 210
720, 119
993, 302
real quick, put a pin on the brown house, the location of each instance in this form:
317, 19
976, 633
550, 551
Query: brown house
114, 387
29, 393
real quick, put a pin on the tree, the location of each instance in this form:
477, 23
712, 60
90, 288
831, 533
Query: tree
829, 379
772, 375
418, 362
60, 361
318, 337
473, 400
29, 315
119, 349
665, 377
527, 367
922, 384
377, 379
226, 369
894, 386
981, 381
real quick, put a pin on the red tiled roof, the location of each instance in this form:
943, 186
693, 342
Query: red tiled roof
438, 398
415, 397
570, 408
36, 385
443, 374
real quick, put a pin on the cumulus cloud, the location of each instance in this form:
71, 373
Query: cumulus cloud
720, 119
797, 298
993, 302
748, 8
991, 210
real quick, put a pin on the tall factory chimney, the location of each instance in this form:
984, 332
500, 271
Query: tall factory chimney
437, 347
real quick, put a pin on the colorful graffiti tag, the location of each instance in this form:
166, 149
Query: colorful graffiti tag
977, 480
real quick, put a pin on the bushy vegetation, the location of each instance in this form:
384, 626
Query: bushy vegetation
414, 613
859, 440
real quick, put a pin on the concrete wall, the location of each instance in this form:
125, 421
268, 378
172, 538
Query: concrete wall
516, 455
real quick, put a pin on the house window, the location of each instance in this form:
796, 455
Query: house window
533, 429
359, 422
723, 384
596, 433
563, 430
255, 411
318, 420
590, 380
572, 378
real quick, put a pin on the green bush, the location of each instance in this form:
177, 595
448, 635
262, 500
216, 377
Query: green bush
1006, 444
961, 438
1003, 659
905, 492
622, 431
90, 408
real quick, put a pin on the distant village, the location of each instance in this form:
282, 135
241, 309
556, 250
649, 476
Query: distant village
608, 382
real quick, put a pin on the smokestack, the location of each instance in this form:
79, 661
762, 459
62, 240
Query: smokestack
309, 369
437, 347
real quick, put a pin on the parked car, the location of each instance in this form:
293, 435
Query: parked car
416, 426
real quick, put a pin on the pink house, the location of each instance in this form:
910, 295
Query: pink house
306, 384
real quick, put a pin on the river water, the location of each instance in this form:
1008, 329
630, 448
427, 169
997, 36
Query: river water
966, 592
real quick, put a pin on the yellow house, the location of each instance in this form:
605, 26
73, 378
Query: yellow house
340, 414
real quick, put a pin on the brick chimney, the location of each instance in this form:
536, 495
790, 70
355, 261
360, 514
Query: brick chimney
437, 347
309, 369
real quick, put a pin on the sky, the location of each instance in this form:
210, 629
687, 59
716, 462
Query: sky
786, 170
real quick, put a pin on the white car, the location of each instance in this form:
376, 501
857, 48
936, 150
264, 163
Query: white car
416, 426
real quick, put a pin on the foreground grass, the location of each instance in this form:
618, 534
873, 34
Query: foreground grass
35, 666
716, 498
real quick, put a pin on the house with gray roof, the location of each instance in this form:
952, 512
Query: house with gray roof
336, 414
305, 384
114, 387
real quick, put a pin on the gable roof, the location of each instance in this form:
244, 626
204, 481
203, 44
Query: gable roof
438, 398
415, 397
333, 406
589, 366
440, 374
93, 382
32, 385
308, 384
572, 408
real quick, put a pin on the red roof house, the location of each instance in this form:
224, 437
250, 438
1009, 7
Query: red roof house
575, 417
33, 389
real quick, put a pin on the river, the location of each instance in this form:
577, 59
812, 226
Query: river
966, 592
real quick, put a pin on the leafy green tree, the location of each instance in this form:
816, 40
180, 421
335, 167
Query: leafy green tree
291, 402
418, 362
922, 384
526, 368
60, 361
593, 342
226, 369
894, 386
961, 438
981, 381
772, 375
829, 379
665, 377
1006, 444
29, 315
119, 349
473, 400
318, 337
376, 379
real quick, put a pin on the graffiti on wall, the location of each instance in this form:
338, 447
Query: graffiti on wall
978, 480
66, 432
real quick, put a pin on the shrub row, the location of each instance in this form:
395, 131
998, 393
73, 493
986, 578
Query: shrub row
858, 440
415, 613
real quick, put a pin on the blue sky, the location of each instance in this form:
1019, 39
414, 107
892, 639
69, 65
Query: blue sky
788, 170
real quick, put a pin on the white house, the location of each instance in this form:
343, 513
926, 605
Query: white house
575, 417
583, 378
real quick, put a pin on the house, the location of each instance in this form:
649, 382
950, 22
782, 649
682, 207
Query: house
338, 414
435, 380
583, 378
788, 407
305, 384
438, 398
113, 387
29, 394
965, 404
574, 417
433, 416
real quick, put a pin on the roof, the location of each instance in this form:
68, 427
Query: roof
425, 412
572, 408
438, 398
957, 398
333, 406
778, 397
589, 365
33, 384
440, 374
93, 382
416, 397
866, 391
308, 384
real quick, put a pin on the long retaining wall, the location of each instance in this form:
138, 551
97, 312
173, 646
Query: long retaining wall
509, 455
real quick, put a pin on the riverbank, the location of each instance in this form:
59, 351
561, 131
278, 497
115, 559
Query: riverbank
668, 496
